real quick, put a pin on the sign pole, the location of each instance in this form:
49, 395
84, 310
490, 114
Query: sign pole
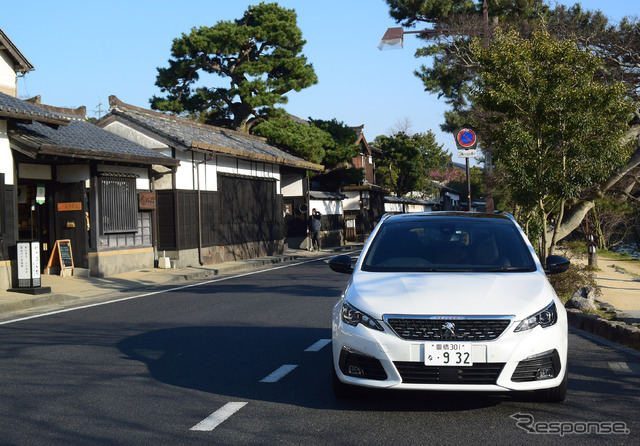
468, 186
466, 142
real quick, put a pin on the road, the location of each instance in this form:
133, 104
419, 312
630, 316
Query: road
244, 360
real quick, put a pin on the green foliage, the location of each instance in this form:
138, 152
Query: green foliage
332, 180
408, 12
343, 146
259, 55
406, 161
321, 142
576, 277
304, 141
451, 70
553, 128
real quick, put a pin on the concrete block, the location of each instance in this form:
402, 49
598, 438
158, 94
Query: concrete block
164, 262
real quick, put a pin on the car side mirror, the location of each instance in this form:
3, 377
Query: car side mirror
557, 264
341, 264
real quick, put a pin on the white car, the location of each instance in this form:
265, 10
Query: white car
450, 301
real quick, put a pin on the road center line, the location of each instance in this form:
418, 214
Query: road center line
278, 374
218, 417
318, 345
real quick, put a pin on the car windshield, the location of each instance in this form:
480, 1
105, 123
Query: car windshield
448, 244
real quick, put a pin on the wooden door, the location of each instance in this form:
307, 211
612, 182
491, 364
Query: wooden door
71, 220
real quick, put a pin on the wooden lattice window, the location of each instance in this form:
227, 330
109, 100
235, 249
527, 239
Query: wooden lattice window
119, 203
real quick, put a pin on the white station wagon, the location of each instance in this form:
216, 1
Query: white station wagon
450, 301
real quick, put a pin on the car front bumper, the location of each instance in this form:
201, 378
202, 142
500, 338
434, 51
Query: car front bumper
381, 359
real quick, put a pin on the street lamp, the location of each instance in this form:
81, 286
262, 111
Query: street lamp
394, 37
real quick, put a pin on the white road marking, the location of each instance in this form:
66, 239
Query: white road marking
152, 293
625, 367
279, 374
218, 417
318, 345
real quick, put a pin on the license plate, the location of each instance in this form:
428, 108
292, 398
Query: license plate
448, 353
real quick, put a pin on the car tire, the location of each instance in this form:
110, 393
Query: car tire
555, 394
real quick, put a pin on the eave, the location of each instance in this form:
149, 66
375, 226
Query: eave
258, 157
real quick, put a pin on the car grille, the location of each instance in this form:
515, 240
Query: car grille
418, 373
433, 329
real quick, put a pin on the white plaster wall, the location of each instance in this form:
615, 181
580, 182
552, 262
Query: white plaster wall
237, 166
35, 171
208, 175
352, 202
6, 157
393, 207
292, 185
73, 173
417, 208
7, 75
142, 182
133, 135
326, 207
185, 173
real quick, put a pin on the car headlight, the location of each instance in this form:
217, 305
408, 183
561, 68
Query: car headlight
353, 316
544, 318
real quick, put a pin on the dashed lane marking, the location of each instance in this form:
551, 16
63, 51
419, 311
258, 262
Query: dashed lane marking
624, 367
318, 345
279, 374
218, 417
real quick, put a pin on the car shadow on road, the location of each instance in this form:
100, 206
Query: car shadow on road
233, 360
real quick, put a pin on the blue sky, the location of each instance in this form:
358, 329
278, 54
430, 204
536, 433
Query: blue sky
84, 51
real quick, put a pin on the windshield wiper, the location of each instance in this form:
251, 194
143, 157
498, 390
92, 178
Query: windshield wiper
508, 269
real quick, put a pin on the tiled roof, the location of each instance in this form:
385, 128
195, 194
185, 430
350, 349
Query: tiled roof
185, 135
11, 107
77, 139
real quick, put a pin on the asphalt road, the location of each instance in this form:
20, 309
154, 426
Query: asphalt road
245, 360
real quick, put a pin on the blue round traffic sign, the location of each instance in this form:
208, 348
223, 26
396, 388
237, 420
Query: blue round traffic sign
466, 138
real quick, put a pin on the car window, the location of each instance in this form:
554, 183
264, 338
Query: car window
438, 244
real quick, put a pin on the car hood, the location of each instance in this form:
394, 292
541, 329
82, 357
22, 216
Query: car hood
517, 294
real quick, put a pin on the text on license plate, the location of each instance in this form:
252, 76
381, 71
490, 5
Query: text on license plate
447, 353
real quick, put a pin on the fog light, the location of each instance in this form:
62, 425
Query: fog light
545, 373
354, 370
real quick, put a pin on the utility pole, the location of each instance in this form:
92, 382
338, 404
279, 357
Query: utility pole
99, 108
488, 159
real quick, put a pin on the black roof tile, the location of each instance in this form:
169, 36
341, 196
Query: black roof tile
185, 134
12, 107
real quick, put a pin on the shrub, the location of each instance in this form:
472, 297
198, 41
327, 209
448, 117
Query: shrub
576, 277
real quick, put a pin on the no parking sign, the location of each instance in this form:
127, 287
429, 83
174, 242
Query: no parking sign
466, 138
466, 141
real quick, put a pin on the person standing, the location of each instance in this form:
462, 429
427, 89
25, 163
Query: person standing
313, 229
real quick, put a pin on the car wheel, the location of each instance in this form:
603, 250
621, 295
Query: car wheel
555, 394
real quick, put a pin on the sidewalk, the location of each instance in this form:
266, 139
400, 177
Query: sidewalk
76, 290
619, 281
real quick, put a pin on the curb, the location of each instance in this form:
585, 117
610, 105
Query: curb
614, 331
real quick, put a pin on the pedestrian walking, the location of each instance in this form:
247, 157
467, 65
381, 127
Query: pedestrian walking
313, 229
